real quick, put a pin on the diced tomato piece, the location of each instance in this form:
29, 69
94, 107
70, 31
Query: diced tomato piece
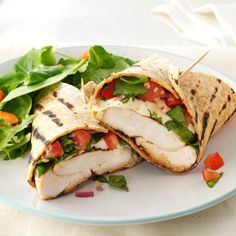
81, 138
154, 92
209, 175
2, 95
107, 91
55, 149
8, 117
85, 55
214, 161
172, 101
111, 140
188, 117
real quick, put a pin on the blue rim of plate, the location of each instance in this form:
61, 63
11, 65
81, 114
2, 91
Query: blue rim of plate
132, 220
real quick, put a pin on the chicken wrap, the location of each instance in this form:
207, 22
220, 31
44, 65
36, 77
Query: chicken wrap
167, 118
68, 146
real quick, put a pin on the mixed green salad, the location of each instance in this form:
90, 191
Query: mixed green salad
36, 70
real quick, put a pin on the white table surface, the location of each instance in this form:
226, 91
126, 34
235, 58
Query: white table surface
27, 23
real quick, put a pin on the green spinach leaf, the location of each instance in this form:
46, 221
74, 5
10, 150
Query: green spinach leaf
102, 64
22, 90
176, 113
118, 181
128, 90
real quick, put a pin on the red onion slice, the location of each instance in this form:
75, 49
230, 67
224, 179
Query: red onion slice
84, 194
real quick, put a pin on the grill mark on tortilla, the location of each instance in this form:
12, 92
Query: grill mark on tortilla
216, 89
213, 96
53, 118
230, 115
196, 116
223, 107
193, 92
204, 124
30, 158
67, 104
39, 107
229, 98
219, 81
232, 91
37, 135
54, 94
213, 128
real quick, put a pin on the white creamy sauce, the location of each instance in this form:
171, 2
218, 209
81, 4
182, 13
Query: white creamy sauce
101, 144
139, 106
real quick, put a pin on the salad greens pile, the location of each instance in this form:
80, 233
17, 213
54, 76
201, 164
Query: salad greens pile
36, 70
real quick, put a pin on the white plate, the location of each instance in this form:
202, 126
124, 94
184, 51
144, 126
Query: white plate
154, 195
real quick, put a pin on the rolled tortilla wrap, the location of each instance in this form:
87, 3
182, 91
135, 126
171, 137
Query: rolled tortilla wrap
162, 121
68, 146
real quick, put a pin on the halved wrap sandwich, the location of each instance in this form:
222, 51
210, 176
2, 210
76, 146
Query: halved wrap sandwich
68, 147
168, 119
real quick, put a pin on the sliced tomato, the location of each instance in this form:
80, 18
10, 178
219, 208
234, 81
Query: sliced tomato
209, 175
2, 95
111, 140
55, 149
81, 138
214, 161
107, 91
188, 117
172, 101
154, 92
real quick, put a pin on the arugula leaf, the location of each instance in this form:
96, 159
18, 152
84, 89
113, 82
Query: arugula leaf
212, 183
102, 64
128, 90
176, 113
154, 116
118, 181
50, 81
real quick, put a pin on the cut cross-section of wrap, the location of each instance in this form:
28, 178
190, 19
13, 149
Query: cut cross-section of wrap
168, 122
69, 147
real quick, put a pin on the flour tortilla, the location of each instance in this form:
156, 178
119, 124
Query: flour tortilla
60, 111
213, 103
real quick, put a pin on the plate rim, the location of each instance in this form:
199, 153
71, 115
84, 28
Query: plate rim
119, 221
